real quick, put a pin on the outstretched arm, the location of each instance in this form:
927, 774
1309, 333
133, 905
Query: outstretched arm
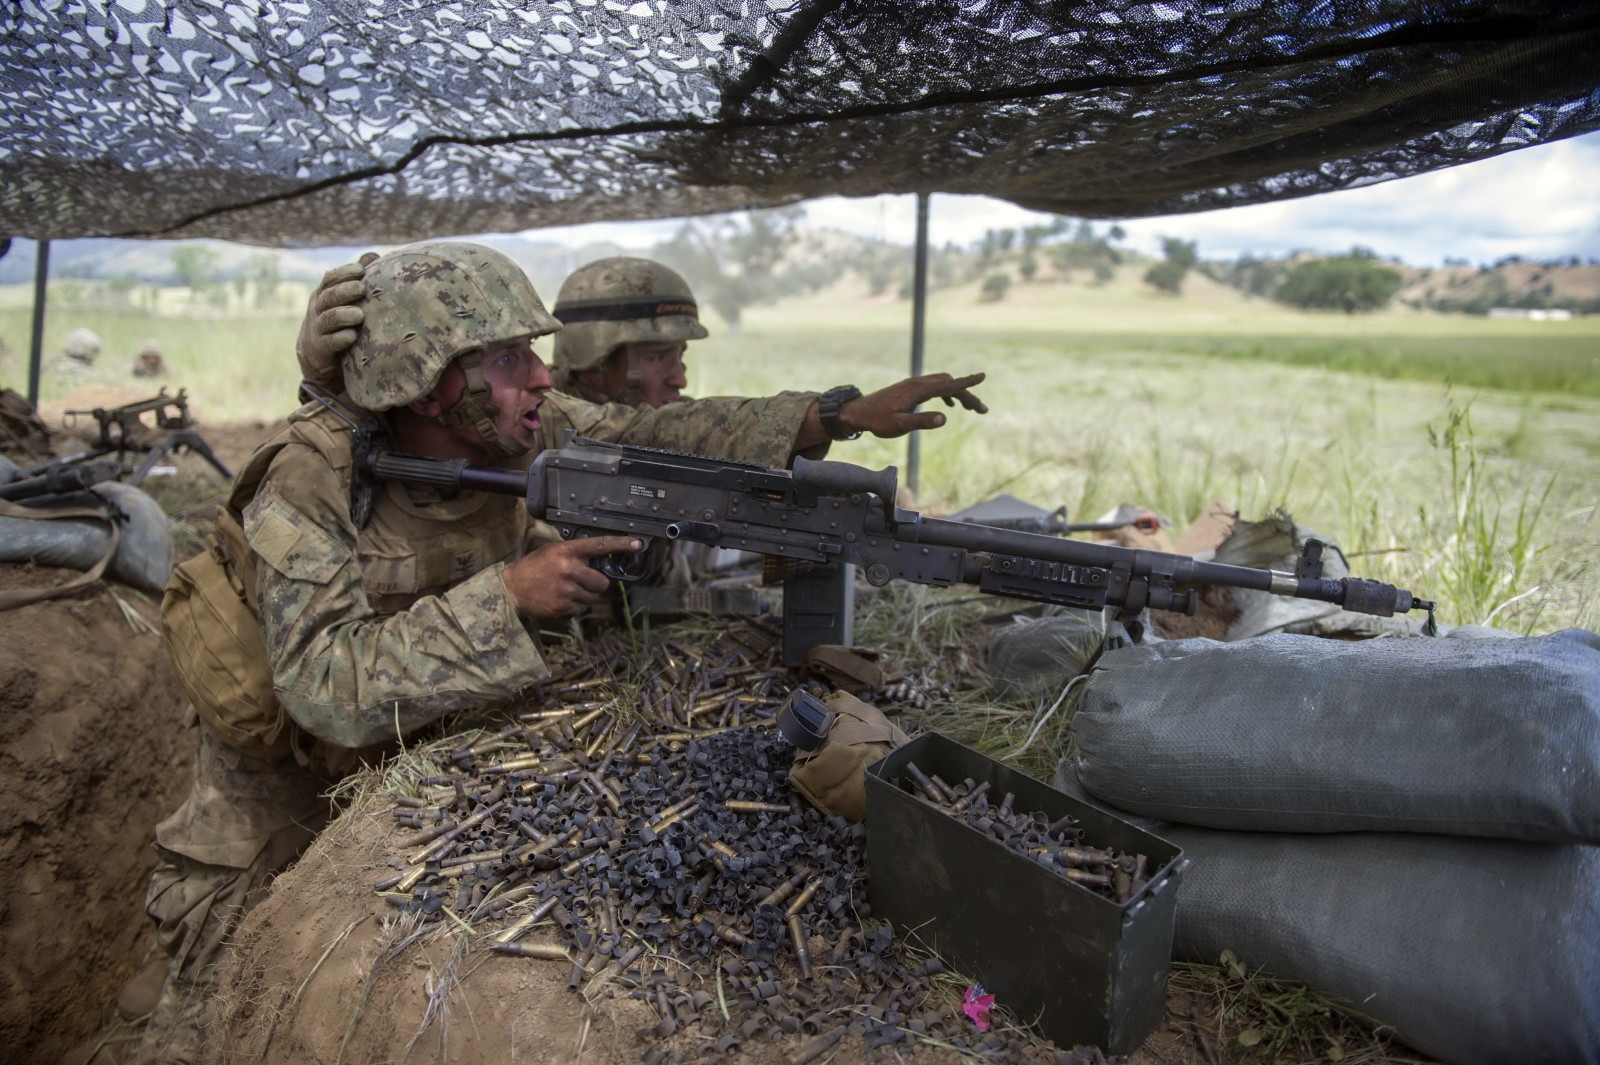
892, 411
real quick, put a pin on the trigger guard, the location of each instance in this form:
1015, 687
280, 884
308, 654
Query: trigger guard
612, 567
615, 566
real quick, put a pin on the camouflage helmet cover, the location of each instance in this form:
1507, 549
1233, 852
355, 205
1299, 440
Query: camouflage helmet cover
426, 305
611, 302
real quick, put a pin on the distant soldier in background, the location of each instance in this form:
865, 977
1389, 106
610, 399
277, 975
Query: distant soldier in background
75, 363
149, 362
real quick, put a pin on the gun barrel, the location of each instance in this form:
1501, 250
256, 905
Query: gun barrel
448, 475
1362, 596
60, 480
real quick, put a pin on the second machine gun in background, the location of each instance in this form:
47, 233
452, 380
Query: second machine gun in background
834, 513
122, 430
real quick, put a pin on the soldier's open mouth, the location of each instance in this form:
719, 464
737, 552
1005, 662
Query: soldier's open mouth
531, 419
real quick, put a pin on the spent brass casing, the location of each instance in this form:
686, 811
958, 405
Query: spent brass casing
526, 761
1059, 824
782, 891
801, 899
817, 1047
924, 785
471, 859
620, 966
797, 936
677, 815
546, 715
546, 951
431, 834
514, 931
971, 797
580, 968
739, 806
1084, 857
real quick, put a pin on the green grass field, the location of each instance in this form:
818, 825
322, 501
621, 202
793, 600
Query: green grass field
1459, 456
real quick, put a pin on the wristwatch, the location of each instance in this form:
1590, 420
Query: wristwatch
828, 405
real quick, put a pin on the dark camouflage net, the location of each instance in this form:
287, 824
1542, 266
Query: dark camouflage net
352, 121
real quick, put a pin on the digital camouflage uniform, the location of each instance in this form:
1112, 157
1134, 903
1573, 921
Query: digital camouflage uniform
389, 626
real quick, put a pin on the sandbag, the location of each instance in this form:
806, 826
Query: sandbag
1476, 951
1035, 654
143, 552
1455, 735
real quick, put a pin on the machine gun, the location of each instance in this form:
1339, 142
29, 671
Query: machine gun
838, 513
122, 430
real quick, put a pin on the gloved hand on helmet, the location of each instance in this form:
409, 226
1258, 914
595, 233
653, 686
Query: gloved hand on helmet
333, 316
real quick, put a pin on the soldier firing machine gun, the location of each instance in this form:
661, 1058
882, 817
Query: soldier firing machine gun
122, 430
835, 513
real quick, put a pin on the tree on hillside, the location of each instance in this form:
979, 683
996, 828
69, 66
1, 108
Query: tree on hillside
995, 287
1349, 283
264, 275
1181, 253
193, 264
1168, 274
1084, 250
732, 263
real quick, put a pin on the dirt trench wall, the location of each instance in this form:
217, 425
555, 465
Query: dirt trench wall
93, 753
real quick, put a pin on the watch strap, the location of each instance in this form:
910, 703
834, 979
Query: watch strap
828, 407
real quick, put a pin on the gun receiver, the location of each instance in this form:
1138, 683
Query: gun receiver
838, 512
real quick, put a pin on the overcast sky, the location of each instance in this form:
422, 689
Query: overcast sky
1541, 203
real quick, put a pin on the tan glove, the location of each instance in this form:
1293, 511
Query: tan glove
333, 316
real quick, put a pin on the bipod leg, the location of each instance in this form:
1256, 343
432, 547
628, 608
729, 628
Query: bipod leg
203, 449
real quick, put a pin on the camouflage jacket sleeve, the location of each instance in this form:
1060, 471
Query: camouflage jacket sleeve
760, 430
344, 673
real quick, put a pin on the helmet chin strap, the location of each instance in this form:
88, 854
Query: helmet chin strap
474, 409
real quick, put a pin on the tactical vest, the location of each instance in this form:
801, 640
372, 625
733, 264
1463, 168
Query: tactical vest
414, 544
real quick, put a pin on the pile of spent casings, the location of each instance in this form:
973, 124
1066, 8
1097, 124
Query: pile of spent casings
1057, 845
609, 842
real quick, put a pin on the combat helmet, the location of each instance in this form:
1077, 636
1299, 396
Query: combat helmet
429, 304
614, 302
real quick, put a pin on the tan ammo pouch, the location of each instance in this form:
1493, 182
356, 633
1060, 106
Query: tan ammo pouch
834, 775
214, 639
851, 669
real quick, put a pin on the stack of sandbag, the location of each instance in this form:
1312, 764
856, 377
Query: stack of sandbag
81, 529
1410, 824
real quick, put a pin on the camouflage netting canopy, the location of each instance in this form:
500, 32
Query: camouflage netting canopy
350, 121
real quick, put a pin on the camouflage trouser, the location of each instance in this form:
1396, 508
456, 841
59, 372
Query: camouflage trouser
244, 820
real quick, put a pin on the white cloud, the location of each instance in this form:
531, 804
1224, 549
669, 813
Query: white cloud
1541, 202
